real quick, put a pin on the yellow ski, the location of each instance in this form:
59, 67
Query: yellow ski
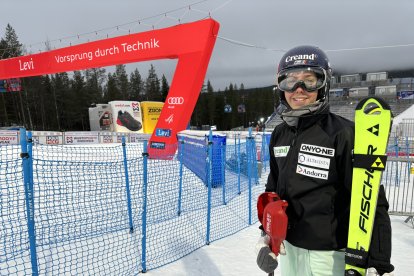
372, 126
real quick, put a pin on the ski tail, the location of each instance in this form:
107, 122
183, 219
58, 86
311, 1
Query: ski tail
373, 119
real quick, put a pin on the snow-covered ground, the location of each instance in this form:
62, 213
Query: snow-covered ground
235, 255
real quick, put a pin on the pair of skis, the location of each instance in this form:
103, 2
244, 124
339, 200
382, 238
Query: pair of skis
373, 119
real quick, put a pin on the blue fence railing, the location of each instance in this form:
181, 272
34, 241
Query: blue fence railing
113, 210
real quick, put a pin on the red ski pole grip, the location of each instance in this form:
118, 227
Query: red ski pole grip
272, 215
275, 223
263, 200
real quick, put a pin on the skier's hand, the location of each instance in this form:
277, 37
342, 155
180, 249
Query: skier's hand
373, 272
266, 259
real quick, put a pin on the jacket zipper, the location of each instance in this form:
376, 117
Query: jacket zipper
294, 138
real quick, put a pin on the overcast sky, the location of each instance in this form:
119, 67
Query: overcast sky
358, 35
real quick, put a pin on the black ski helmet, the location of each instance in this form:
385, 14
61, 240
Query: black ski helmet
304, 57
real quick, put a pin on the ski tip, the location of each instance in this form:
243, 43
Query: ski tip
373, 105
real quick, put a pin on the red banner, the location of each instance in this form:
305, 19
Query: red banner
192, 44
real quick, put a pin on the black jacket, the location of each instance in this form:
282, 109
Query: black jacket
311, 168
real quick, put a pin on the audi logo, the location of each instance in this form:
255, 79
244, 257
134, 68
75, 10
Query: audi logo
175, 100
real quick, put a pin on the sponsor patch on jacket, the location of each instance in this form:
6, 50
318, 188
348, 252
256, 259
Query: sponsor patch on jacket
314, 161
317, 150
315, 173
281, 151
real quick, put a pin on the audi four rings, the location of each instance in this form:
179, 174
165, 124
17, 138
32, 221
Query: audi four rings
175, 100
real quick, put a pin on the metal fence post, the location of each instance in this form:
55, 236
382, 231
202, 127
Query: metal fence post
209, 180
249, 170
127, 188
223, 170
397, 154
264, 151
180, 188
144, 208
238, 165
29, 197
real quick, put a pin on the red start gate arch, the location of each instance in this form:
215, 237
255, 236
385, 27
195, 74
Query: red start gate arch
191, 43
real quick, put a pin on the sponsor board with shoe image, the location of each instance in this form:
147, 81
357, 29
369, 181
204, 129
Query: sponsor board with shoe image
127, 116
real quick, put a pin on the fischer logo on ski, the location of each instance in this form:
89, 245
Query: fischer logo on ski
365, 201
374, 130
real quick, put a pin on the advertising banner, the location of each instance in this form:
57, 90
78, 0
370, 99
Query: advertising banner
9, 137
48, 138
405, 95
191, 43
79, 138
11, 85
100, 118
126, 116
138, 137
151, 111
107, 137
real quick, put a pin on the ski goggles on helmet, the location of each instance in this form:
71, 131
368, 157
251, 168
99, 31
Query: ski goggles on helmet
309, 78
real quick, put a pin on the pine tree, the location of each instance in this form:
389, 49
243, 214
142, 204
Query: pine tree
164, 88
11, 106
211, 104
203, 88
152, 85
49, 105
79, 106
136, 86
122, 83
95, 78
34, 87
11, 44
112, 93
61, 86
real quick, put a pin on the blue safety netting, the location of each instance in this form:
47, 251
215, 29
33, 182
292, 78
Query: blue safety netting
111, 209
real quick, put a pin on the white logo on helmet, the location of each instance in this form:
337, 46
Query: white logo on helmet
301, 57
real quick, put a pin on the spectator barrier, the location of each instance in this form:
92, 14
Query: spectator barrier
111, 209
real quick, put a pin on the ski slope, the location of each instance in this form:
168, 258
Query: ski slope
235, 255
